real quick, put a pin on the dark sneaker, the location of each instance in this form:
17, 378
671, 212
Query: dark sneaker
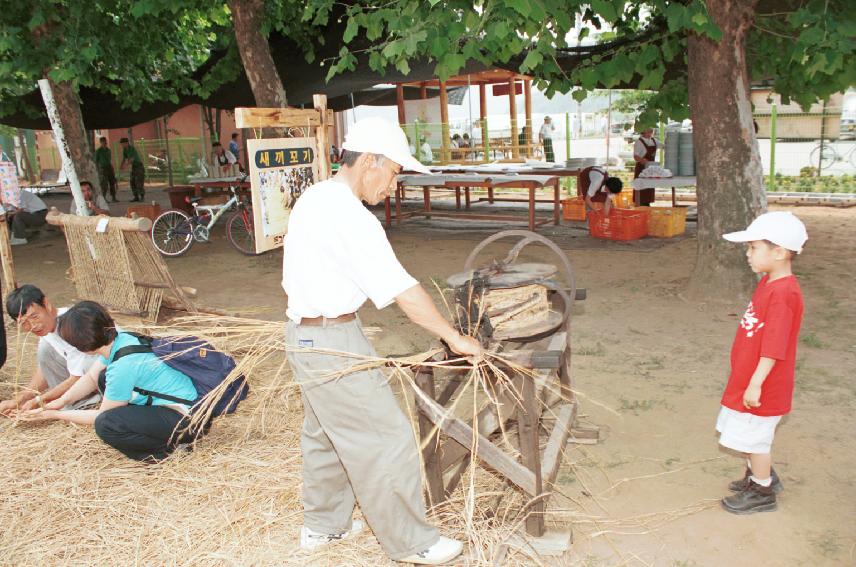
755, 498
743, 483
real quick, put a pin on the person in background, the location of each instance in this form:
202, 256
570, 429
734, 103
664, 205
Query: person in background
96, 205
465, 141
545, 136
106, 173
645, 152
234, 147
225, 162
596, 186
426, 154
58, 364
131, 158
31, 214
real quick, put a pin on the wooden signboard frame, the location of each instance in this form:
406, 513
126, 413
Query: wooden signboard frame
312, 123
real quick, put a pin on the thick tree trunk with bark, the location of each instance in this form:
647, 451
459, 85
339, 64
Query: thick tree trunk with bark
68, 107
247, 19
730, 177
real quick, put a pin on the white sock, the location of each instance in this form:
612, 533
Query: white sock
766, 482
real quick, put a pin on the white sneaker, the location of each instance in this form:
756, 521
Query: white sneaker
311, 540
17, 241
440, 553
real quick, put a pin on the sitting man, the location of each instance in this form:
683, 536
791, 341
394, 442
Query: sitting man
96, 205
596, 186
59, 364
31, 214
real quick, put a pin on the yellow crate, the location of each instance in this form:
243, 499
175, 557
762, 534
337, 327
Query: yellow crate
574, 209
666, 222
624, 200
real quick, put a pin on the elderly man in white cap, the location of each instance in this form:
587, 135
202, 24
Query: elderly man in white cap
357, 444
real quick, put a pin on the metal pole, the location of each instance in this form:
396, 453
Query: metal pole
168, 155
567, 135
822, 134
608, 123
485, 139
62, 146
771, 185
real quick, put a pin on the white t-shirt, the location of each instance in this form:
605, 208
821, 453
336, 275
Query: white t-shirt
76, 362
31, 203
427, 155
596, 179
640, 148
546, 131
100, 202
337, 256
228, 158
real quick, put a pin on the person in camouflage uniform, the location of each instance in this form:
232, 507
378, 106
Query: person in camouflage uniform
106, 173
138, 172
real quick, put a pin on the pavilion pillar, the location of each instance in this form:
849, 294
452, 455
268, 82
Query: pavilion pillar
399, 101
512, 111
527, 97
483, 121
445, 153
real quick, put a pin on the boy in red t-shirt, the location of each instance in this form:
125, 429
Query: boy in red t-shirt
763, 358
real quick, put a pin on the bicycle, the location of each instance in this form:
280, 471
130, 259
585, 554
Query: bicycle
831, 155
174, 231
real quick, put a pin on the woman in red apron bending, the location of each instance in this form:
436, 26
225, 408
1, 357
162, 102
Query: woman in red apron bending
595, 185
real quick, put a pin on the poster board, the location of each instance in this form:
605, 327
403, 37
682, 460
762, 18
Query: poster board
281, 169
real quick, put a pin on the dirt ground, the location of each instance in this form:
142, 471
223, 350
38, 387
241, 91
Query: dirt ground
651, 366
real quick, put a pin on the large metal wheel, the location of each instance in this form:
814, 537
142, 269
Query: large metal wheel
241, 231
172, 233
567, 291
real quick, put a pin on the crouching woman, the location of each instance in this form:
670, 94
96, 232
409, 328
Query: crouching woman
143, 427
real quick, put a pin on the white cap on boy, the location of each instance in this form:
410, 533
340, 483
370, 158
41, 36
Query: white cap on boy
379, 136
781, 228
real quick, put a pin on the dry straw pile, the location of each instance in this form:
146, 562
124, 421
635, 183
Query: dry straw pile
68, 499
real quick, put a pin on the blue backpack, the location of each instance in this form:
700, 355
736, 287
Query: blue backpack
206, 367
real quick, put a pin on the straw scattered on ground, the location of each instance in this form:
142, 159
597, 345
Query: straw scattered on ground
68, 499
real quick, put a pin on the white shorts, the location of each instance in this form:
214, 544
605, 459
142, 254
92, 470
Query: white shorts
746, 432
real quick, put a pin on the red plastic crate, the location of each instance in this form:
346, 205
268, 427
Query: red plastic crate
622, 224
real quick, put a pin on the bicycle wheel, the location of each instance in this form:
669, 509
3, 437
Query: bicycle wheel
241, 232
172, 233
827, 160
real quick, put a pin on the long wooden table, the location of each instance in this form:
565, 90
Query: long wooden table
458, 182
488, 176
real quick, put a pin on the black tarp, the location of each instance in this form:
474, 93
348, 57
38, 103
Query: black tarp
301, 80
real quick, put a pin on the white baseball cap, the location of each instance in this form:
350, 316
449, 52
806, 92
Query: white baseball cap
781, 228
379, 136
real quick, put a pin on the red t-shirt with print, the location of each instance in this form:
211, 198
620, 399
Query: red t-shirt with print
769, 328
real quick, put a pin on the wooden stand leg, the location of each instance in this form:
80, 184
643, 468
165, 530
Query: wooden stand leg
387, 212
458, 198
430, 441
8, 265
532, 208
556, 202
529, 418
490, 195
674, 200
467, 197
426, 199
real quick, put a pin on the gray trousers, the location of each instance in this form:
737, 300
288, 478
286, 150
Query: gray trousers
357, 444
55, 371
23, 220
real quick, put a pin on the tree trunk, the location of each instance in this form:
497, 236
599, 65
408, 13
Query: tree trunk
68, 107
247, 18
730, 177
